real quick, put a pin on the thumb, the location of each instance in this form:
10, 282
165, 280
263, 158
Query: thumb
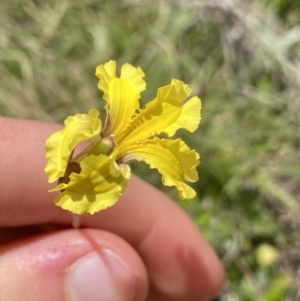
71, 265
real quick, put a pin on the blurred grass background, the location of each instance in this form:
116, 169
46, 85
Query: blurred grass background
241, 57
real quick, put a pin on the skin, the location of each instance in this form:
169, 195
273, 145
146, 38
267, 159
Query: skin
169, 257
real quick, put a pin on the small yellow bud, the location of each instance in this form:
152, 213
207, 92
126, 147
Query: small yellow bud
266, 255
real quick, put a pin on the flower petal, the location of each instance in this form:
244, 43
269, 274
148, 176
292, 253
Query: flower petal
164, 114
121, 94
60, 145
188, 119
174, 160
98, 186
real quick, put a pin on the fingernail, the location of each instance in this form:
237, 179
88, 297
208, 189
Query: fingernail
100, 276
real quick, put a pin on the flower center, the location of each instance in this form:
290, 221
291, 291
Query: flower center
105, 147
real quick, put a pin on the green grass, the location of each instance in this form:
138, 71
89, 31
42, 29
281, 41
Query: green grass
241, 59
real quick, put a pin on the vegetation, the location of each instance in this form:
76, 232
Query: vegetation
241, 57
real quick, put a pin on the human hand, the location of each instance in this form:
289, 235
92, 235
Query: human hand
143, 248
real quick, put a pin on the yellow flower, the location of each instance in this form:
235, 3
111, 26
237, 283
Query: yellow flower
95, 178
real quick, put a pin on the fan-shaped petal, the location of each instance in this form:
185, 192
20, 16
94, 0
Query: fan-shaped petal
164, 114
188, 119
98, 186
174, 160
60, 145
122, 94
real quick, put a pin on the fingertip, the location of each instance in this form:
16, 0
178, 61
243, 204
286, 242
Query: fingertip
72, 265
217, 276
204, 272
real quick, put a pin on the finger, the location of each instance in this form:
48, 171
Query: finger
180, 262
71, 265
